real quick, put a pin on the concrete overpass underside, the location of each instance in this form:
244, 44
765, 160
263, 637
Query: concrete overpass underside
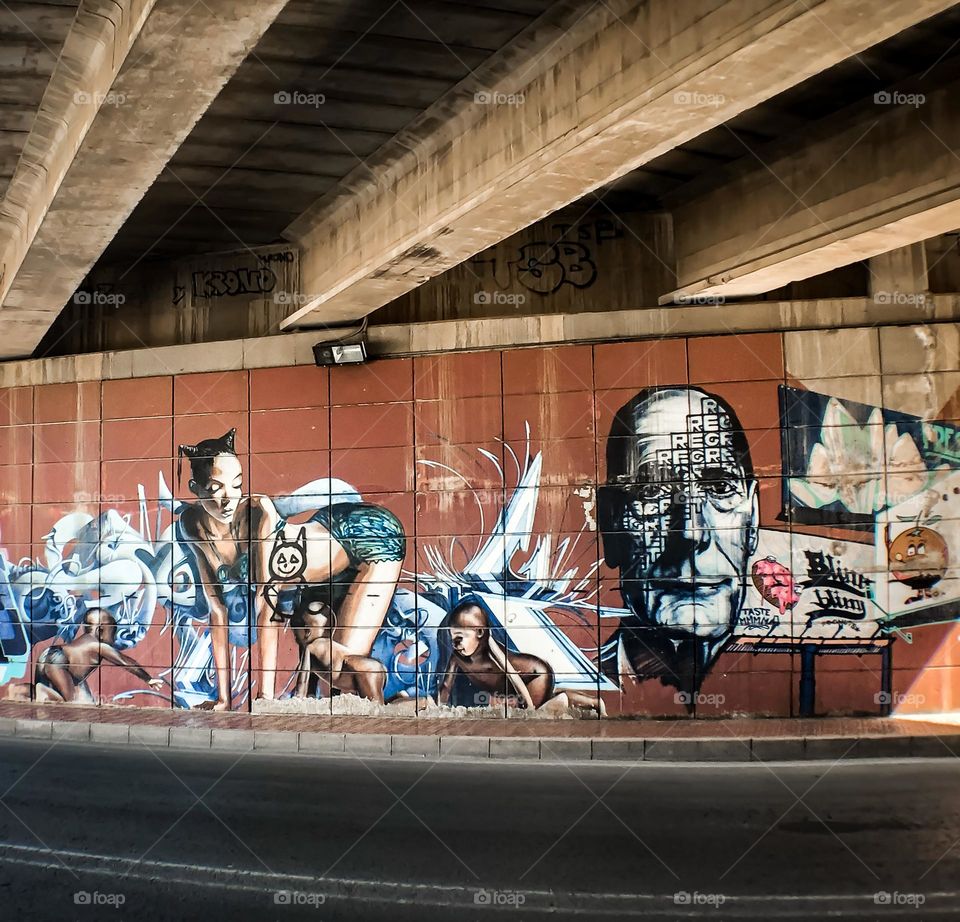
755, 148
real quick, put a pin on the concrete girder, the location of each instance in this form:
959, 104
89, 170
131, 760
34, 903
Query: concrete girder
863, 183
604, 91
132, 79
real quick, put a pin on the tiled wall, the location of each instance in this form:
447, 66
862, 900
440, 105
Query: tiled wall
755, 581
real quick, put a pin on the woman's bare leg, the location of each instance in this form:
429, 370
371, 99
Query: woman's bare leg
269, 643
361, 615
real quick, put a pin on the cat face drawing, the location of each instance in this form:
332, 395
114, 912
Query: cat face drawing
288, 559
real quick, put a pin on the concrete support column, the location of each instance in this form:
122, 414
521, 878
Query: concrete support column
899, 271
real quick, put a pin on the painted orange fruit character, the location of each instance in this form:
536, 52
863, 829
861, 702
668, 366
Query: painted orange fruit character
918, 559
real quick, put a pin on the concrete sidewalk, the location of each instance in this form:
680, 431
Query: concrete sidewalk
544, 740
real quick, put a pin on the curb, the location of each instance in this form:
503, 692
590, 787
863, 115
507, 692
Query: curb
471, 748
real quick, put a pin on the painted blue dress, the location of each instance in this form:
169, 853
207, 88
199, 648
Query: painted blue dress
236, 593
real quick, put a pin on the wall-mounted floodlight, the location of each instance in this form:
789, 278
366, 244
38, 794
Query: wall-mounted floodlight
346, 350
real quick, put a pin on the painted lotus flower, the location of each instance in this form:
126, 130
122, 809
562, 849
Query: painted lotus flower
847, 464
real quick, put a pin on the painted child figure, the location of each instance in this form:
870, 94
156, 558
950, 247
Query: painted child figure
521, 679
313, 623
490, 668
63, 669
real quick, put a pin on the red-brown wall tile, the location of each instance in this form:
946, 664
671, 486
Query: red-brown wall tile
280, 473
465, 420
459, 466
458, 375
746, 357
16, 445
15, 524
382, 381
639, 365
549, 416
57, 403
16, 406
375, 470
119, 479
131, 397
469, 509
210, 392
549, 370
290, 430
146, 437
64, 482
287, 388
16, 483
372, 426
66, 442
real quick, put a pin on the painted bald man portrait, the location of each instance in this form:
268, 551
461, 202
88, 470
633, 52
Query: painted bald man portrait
679, 519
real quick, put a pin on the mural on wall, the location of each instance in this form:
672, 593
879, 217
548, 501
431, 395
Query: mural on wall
894, 474
254, 577
728, 533
230, 570
846, 461
680, 521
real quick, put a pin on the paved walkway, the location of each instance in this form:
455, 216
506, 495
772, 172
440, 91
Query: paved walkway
628, 740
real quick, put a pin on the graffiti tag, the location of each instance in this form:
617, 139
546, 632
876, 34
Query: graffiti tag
837, 590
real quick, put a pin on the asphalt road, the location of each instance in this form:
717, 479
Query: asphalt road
89, 832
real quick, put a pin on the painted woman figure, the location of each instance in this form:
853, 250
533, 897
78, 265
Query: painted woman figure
220, 529
354, 548
347, 555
